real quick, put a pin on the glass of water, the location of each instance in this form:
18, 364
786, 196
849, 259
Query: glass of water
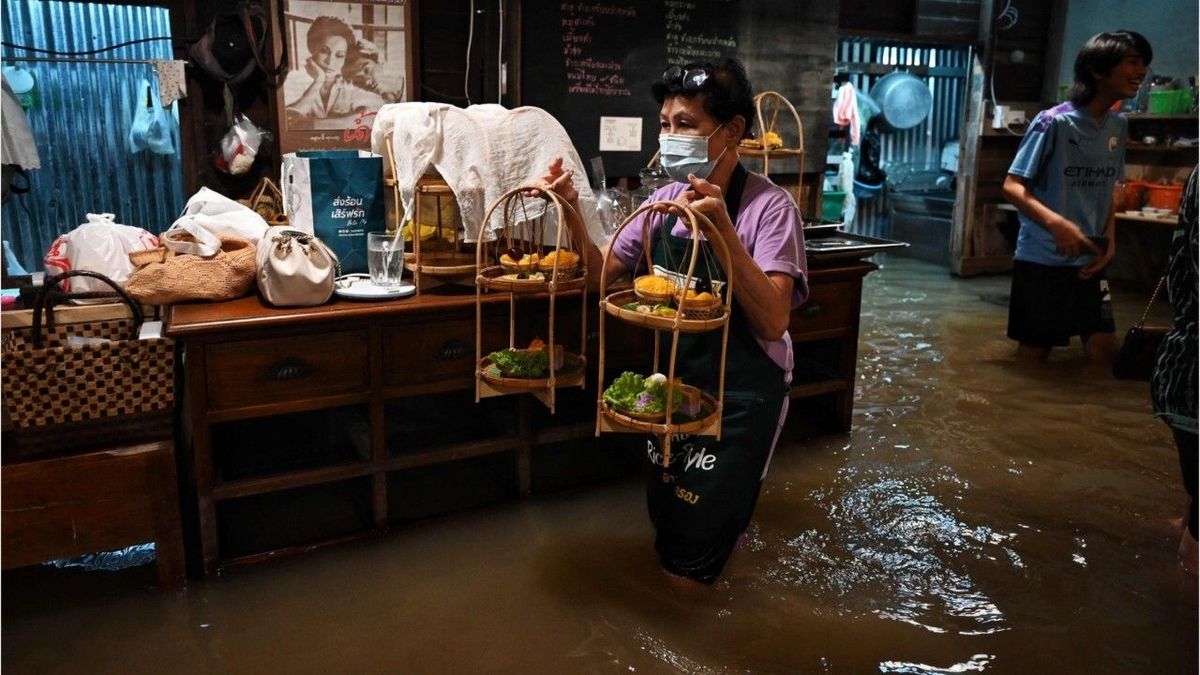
384, 262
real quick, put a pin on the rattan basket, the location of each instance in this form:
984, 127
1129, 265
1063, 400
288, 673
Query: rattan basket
703, 310
648, 296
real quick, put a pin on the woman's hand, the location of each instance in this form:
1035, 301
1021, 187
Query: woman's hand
557, 181
317, 73
703, 197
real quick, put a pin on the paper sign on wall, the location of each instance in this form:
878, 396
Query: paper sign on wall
620, 134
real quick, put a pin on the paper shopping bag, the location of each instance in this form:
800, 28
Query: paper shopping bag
336, 195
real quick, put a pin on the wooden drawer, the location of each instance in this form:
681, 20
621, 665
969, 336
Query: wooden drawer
252, 372
434, 352
831, 306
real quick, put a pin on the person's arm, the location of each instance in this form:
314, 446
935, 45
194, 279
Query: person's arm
1067, 235
765, 297
559, 182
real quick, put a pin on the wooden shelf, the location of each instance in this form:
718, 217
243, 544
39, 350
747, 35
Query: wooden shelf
1162, 118
820, 387
773, 152
1172, 221
291, 479
1142, 147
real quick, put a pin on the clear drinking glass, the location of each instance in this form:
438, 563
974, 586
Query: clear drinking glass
384, 262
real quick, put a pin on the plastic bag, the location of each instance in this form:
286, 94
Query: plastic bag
207, 216
239, 147
153, 127
99, 245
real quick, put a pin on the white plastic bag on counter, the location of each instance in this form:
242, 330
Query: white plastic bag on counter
207, 216
99, 245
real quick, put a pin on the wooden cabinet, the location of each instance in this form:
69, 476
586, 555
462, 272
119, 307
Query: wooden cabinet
824, 334
310, 412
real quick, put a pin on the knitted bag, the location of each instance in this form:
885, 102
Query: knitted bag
165, 277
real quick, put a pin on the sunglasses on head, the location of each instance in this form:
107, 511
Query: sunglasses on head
690, 78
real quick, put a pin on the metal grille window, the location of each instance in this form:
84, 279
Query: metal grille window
81, 119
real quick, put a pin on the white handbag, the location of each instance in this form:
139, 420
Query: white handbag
207, 216
295, 269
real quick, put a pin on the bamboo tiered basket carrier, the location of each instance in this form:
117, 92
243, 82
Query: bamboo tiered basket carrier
437, 261
689, 317
768, 105
497, 272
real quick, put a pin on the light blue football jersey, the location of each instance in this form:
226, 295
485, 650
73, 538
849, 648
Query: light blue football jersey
1071, 163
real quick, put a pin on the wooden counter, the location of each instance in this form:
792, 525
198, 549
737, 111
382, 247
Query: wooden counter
385, 386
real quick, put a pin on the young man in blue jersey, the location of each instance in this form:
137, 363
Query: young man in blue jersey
1061, 182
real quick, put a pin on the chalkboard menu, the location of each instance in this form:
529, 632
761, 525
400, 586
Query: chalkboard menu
591, 64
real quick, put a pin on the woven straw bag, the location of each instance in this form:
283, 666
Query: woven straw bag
112, 389
165, 277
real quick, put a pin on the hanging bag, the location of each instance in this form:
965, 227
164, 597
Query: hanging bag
85, 385
1135, 360
295, 269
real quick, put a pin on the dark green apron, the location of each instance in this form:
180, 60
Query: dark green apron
703, 501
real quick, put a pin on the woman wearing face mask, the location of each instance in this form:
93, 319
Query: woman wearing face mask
705, 110
327, 99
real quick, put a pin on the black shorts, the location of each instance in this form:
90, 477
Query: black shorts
1050, 304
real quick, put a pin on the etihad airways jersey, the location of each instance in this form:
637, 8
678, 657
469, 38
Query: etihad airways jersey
1070, 162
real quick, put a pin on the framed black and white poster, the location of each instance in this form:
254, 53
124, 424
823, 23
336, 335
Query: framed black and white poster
346, 60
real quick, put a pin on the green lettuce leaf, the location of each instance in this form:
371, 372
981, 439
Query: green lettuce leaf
623, 392
521, 363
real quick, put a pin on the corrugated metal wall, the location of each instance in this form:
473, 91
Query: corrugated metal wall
918, 148
82, 123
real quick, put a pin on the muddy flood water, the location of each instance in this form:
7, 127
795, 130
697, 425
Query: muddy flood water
983, 516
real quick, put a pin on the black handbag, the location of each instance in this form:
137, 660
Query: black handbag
1135, 360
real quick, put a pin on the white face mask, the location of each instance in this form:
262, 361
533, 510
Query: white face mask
681, 154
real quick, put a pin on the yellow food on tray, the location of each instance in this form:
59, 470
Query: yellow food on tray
528, 260
563, 257
655, 284
693, 299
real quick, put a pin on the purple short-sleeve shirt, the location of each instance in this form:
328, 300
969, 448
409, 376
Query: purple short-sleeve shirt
768, 225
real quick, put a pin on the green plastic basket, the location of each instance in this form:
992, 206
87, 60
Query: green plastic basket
1171, 102
831, 205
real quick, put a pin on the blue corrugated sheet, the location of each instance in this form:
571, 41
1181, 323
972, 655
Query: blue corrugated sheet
81, 123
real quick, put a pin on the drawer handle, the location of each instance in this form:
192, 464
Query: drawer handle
290, 368
453, 349
811, 310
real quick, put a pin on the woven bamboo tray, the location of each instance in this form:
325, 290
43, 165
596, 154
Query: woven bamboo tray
496, 278
633, 422
569, 375
613, 305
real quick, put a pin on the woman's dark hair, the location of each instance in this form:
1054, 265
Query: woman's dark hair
1099, 56
325, 26
725, 94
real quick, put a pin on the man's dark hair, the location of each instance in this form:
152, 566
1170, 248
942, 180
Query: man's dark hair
1099, 56
724, 95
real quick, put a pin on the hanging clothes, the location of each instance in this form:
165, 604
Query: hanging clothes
17, 146
172, 82
845, 111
